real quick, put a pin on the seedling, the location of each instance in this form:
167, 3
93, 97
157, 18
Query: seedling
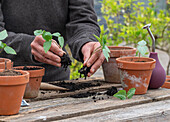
47, 36
122, 95
102, 39
142, 48
3, 46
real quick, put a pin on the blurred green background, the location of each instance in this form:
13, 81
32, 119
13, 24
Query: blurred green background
123, 20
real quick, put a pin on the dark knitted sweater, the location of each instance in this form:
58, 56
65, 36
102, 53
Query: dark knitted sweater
74, 19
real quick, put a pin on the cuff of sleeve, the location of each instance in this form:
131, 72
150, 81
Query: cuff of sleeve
27, 40
77, 45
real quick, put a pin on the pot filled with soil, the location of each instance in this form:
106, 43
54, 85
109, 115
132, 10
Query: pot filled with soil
110, 69
167, 82
9, 63
12, 87
36, 74
135, 72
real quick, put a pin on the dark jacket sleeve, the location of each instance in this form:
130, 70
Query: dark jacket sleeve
20, 42
81, 26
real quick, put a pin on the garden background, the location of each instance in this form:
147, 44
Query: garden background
122, 20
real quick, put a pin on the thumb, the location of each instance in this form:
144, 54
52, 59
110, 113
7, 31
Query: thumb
86, 51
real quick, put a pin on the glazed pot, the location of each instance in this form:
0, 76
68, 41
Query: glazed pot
32, 88
2, 63
11, 92
110, 70
167, 82
135, 72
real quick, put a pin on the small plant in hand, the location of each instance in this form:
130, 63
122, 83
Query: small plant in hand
8, 50
122, 95
102, 39
47, 36
3, 46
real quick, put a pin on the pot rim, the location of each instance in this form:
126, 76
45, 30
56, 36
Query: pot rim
122, 47
33, 73
119, 51
123, 64
15, 80
2, 60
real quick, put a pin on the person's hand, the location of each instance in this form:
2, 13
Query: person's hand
95, 60
51, 57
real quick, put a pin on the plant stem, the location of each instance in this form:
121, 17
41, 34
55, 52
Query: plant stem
139, 57
96, 50
5, 65
1, 50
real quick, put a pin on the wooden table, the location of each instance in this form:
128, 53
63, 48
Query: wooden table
153, 106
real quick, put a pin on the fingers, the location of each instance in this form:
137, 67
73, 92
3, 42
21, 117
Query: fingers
93, 56
40, 58
55, 48
96, 65
51, 57
86, 51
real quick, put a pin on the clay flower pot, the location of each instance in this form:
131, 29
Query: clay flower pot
110, 70
11, 92
167, 82
2, 63
135, 72
36, 74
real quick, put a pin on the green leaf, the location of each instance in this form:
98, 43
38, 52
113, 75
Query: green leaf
142, 50
47, 36
1, 45
61, 41
9, 50
108, 50
106, 54
38, 32
56, 34
104, 40
120, 94
47, 46
97, 38
3, 34
142, 43
130, 93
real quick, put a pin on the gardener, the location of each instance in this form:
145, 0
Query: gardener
75, 20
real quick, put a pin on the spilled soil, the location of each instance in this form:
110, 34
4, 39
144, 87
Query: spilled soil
79, 86
75, 86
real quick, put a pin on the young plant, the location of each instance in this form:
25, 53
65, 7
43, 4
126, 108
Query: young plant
3, 46
122, 95
47, 36
142, 48
102, 39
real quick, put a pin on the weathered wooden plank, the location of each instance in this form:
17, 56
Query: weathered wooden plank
57, 111
150, 112
63, 108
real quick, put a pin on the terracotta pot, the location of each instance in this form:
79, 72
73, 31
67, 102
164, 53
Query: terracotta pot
35, 79
135, 72
110, 70
2, 63
11, 92
167, 82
